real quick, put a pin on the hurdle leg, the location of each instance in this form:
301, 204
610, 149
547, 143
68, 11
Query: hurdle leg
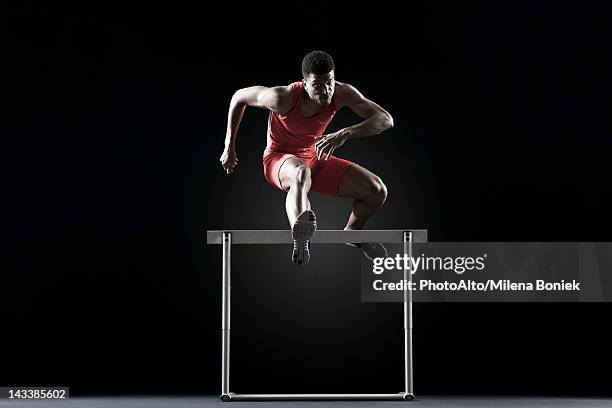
408, 383
225, 316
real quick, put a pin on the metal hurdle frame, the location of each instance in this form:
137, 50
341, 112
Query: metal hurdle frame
226, 238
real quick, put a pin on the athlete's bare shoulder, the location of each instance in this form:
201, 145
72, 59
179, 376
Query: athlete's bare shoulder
275, 98
346, 94
284, 99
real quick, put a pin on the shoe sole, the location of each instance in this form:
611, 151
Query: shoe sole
302, 232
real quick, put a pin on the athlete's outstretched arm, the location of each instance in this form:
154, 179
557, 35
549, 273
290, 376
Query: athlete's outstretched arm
375, 120
273, 98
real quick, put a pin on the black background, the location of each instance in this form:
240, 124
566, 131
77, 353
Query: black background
113, 122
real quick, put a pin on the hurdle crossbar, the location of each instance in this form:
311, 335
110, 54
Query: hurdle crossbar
321, 236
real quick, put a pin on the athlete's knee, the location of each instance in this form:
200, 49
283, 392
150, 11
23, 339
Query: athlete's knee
377, 190
302, 175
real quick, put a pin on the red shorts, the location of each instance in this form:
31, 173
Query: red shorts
326, 175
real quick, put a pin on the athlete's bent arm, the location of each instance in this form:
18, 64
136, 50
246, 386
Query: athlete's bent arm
273, 98
376, 120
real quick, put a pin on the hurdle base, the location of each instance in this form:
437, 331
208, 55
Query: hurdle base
402, 396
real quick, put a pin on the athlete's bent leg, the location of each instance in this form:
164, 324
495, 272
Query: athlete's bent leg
368, 191
294, 176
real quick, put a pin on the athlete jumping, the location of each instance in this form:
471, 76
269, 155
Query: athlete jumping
299, 157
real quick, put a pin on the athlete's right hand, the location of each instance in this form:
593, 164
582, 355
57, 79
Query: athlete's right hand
229, 160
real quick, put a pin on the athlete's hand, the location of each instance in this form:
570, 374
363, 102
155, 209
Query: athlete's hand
229, 160
328, 143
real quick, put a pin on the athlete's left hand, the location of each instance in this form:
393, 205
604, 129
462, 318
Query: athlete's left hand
330, 142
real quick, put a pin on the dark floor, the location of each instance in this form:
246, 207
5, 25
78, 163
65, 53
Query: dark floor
421, 402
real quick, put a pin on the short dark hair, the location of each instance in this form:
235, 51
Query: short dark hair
317, 63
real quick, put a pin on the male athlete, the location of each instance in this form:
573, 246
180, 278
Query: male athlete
299, 157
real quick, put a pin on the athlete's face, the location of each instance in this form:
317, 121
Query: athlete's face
320, 88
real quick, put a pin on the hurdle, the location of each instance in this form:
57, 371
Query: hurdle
227, 238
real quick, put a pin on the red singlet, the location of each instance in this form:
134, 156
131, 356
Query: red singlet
293, 135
